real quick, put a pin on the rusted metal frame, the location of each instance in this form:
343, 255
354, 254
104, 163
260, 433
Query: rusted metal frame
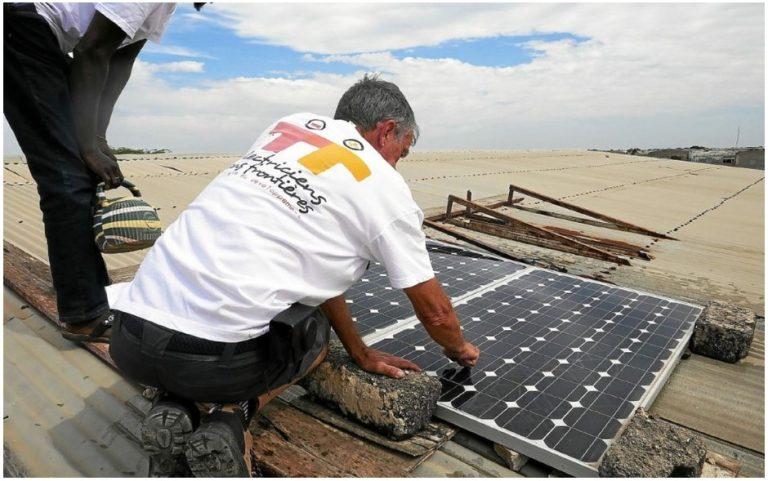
581, 210
522, 234
450, 230
543, 232
572, 218
449, 215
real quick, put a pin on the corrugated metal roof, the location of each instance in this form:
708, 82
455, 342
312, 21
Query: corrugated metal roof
61, 440
716, 397
64, 411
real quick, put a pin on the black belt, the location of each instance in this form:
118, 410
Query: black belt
187, 344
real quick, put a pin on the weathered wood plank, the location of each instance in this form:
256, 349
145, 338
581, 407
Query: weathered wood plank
322, 450
434, 435
30, 278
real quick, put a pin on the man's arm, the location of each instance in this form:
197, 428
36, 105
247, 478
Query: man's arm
120, 67
435, 311
87, 79
367, 358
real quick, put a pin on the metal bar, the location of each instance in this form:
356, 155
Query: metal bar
591, 213
494, 205
468, 211
543, 232
572, 218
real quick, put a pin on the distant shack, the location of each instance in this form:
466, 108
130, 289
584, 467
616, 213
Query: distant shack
748, 157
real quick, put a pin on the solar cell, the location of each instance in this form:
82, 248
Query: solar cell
564, 363
374, 304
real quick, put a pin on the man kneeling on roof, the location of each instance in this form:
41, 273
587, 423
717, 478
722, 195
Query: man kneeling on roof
234, 302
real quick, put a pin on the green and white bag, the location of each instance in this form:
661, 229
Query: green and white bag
124, 224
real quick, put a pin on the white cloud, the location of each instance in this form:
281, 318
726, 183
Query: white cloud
185, 66
647, 75
174, 50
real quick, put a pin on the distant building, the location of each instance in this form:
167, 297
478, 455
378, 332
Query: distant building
713, 156
674, 154
752, 158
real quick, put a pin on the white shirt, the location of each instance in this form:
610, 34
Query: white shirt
295, 220
139, 21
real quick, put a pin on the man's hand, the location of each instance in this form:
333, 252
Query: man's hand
467, 356
103, 146
105, 168
378, 362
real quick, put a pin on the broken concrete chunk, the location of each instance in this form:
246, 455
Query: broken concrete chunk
514, 460
723, 332
719, 466
652, 448
398, 408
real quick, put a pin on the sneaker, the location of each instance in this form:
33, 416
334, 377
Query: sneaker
165, 432
221, 446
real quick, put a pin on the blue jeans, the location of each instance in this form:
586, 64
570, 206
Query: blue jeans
38, 108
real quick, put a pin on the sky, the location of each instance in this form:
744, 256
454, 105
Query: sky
478, 76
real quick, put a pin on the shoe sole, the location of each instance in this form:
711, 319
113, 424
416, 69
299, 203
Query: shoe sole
166, 430
213, 452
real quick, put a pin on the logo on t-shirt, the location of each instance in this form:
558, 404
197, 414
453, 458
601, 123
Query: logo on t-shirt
291, 185
315, 124
353, 144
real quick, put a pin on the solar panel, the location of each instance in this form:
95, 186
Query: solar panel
375, 305
564, 363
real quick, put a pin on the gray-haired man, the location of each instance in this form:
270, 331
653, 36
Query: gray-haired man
234, 302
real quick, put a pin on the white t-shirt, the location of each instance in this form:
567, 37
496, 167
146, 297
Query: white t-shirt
139, 21
295, 220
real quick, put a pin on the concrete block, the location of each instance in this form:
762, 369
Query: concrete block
514, 460
723, 332
652, 448
397, 408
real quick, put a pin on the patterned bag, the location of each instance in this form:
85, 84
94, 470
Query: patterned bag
124, 224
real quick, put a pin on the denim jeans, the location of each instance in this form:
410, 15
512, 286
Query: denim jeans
38, 108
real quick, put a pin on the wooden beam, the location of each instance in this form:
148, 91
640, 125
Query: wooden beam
30, 278
569, 242
581, 210
299, 445
611, 245
519, 234
450, 230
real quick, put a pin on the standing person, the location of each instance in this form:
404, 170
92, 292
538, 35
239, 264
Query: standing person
235, 300
59, 108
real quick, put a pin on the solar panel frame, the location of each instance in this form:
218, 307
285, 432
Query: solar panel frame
537, 449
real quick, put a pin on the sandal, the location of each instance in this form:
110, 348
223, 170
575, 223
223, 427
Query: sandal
94, 331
